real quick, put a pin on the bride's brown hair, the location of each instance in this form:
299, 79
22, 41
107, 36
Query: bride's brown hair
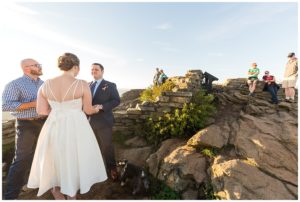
67, 61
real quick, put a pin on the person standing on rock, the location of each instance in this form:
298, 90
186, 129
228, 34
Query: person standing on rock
252, 78
290, 77
106, 95
19, 97
156, 77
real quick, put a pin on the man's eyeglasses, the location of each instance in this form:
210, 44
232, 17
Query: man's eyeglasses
35, 65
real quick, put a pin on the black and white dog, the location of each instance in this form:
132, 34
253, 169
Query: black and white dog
136, 174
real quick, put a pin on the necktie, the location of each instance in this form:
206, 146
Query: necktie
93, 87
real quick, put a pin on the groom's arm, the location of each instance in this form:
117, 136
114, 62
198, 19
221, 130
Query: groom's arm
115, 99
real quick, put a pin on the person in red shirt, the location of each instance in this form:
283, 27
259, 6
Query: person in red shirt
271, 86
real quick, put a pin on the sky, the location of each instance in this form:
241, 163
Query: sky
131, 39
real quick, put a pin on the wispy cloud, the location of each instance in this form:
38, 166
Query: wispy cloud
160, 43
237, 23
165, 46
140, 59
216, 54
170, 49
164, 26
11, 6
21, 18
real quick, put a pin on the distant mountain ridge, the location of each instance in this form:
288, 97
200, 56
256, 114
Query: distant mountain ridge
122, 90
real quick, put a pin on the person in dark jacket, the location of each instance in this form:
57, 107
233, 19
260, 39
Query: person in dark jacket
106, 95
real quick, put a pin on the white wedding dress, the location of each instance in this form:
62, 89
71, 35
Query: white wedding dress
67, 153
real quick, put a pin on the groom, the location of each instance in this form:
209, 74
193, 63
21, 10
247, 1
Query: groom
106, 95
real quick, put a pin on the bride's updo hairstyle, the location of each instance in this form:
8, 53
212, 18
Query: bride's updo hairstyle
67, 61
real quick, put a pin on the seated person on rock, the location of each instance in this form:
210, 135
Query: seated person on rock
271, 86
162, 77
252, 78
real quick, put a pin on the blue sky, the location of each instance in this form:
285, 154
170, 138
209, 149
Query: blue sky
132, 39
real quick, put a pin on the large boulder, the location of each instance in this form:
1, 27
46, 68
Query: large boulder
131, 95
129, 99
272, 142
183, 168
136, 156
212, 136
136, 142
264, 134
238, 179
155, 159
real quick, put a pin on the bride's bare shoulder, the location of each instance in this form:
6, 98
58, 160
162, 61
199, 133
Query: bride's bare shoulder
84, 82
54, 79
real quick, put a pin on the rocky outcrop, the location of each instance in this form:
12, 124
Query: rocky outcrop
132, 113
183, 168
238, 179
135, 150
253, 143
213, 136
156, 159
190, 82
8, 132
270, 140
266, 136
256, 144
180, 166
129, 99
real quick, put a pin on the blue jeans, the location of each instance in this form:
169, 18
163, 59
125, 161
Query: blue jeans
273, 90
27, 133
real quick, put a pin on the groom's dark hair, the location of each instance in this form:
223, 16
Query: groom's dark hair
101, 67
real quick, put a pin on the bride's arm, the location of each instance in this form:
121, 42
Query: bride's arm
87, 100
42, 105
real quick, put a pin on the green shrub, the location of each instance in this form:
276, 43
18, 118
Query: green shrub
208, 192
166, 193
160, 191
151, 93
181, 123
209, 151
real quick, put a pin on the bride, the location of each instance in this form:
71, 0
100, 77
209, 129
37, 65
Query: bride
67, 157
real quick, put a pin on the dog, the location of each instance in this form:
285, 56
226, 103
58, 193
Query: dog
136, 174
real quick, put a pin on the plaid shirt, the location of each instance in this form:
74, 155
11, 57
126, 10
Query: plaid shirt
19, 91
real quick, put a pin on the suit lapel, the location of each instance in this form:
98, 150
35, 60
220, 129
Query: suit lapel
98, 90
